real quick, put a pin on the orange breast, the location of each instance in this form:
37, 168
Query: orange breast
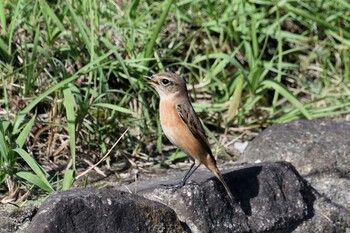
178, 133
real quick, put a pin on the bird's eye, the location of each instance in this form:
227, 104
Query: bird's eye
165, 82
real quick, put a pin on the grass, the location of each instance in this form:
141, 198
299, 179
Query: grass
71, 75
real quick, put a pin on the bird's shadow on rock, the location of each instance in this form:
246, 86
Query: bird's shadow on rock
244, 186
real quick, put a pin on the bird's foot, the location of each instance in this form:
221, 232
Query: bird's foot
173, 186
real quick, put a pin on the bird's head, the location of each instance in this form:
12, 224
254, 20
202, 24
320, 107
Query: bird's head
168, 84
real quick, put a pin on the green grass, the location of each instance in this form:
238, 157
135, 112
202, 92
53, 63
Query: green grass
74, 70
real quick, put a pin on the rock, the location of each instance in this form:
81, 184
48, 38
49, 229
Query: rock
320, 152
269, 197
14, 219
104, 210
328, 217
320, 146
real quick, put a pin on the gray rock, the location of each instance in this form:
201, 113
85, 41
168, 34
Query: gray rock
14, 219
328, 217
104, 210
320, 146
269, 197
320, 151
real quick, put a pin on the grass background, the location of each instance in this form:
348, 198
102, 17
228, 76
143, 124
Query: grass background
71, 76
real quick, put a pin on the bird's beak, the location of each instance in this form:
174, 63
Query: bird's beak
151, 80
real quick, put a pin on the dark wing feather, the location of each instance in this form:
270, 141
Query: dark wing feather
191, 120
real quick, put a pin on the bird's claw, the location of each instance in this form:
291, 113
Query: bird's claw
173, 186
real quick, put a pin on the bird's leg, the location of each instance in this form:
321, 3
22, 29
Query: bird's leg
185, 178
188, 174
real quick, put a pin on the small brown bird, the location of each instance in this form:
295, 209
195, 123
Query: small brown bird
181, 124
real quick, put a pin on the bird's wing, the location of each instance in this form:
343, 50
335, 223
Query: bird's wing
191, 120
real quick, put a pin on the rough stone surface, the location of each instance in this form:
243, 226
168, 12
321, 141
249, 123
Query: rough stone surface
269, 197
328, 217
313, 147
105, 210
320, 151
14, 219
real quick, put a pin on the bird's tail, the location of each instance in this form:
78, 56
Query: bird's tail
214, 169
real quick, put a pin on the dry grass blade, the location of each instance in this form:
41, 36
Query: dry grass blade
103, 158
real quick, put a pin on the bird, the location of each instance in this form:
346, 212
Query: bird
181, 124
